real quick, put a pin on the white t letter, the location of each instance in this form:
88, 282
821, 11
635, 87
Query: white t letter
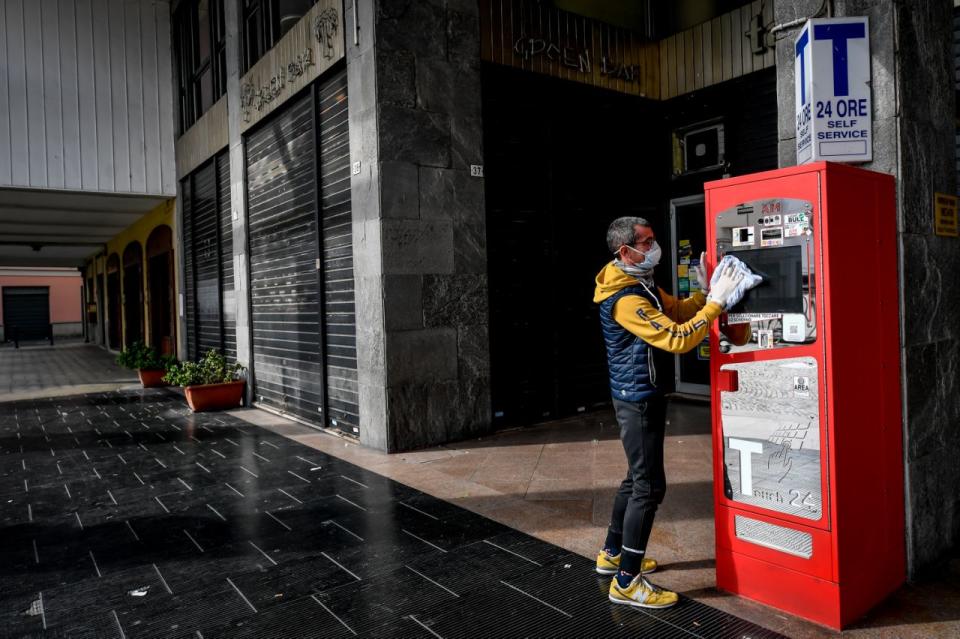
746, 467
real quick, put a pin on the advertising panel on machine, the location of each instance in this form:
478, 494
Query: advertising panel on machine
771, 431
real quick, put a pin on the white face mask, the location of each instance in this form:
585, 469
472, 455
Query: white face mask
650, 259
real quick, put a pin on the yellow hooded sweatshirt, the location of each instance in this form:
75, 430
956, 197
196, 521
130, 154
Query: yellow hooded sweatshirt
678, 328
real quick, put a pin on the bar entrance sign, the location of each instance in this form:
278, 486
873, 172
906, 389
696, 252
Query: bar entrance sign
832, 91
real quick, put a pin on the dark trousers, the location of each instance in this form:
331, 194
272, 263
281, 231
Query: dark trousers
641, 432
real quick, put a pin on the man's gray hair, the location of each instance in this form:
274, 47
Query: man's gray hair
621, 231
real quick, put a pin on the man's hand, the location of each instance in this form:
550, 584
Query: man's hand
726, 283
701, 272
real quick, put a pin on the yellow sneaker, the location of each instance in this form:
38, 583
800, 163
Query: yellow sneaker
641, 593
610, 564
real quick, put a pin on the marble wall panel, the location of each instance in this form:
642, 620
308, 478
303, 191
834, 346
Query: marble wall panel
455, 300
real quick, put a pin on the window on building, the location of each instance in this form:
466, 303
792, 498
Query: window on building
265, 22
289, 13
200, 48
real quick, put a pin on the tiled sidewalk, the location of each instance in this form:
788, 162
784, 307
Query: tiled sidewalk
70, 367
124, 515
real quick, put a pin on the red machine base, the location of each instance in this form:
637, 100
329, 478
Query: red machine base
804, 596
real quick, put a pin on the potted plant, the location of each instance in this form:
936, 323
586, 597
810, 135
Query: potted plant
149, 364
210, 384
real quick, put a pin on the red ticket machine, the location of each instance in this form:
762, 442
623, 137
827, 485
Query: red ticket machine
807, 444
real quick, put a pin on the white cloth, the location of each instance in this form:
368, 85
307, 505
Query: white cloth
750, 279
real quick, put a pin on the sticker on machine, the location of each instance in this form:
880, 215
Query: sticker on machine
794, 230
746, 318
795, 218
801, 386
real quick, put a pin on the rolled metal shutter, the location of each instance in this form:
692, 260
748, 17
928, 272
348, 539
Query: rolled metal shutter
284, 281
189, 293
206, 259
340, 325
227, 301
26, 312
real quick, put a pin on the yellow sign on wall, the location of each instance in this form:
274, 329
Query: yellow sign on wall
945, 215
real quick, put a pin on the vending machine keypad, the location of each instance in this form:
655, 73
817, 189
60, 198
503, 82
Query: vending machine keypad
774, 237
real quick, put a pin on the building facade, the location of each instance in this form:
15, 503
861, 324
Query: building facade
391, 212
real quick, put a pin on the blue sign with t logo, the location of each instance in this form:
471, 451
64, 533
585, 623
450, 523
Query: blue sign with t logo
832, 82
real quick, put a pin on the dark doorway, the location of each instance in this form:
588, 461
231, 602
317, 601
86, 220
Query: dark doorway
133, 293
91, 310
562, 161
26, 312
100, 288
161, 290
689, 239
114, 305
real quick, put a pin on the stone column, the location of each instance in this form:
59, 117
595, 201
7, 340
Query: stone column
238, 187
419, 221
913, 128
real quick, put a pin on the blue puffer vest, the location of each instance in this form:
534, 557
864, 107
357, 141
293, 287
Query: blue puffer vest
633, 374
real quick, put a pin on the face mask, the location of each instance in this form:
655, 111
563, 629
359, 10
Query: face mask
650, 259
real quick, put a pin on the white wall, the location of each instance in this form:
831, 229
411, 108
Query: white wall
86, 96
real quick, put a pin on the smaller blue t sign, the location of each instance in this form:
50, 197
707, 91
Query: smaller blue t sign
833, 104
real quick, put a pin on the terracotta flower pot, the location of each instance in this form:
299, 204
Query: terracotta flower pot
151, 378
214, 396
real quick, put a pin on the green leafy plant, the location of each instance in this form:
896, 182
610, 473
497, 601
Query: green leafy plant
140, 356
211, 369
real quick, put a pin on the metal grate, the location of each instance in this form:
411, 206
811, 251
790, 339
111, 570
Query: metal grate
768, 535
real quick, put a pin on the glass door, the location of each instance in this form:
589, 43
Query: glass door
689, 233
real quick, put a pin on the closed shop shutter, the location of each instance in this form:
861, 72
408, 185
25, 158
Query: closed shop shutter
210, 310
340, 335
284, 279
26, 312
228, 304
206, 259
189, 293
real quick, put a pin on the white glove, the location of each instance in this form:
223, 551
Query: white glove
725, 284
701, 272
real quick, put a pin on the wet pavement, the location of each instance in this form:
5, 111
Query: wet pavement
556, 480
123, 514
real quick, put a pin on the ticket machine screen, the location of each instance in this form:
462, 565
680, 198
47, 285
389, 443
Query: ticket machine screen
782, 288
774, 238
